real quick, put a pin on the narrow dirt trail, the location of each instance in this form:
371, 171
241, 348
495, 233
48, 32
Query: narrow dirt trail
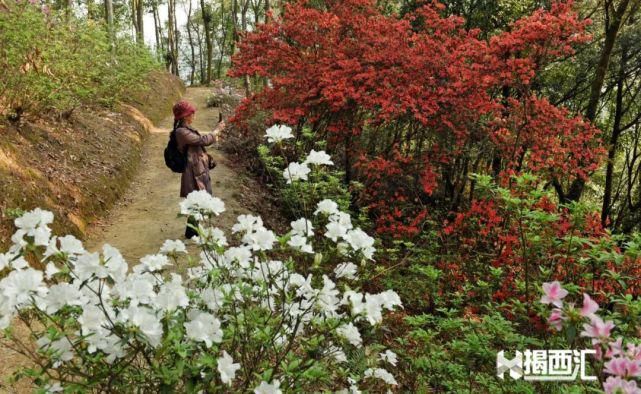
146, 215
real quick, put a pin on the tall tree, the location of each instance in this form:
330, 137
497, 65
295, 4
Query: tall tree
192, 74
615, 15
172, 56
207, 25
109, 19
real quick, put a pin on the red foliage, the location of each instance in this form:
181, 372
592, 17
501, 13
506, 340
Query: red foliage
449, 101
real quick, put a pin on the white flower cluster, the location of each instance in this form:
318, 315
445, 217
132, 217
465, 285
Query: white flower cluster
119, 311
278, 133
200, 204
298, 171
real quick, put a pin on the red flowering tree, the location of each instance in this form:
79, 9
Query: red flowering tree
414, 105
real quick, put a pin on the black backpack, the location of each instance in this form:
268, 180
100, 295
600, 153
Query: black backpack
174, 159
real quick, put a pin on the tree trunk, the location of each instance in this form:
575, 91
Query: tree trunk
154, 11
243, 19
612, 27
191, 45
140, 38
201, 59
614, 137
207, 19
219, 66
109, 19
171, 55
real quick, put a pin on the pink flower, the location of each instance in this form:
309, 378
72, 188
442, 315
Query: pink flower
556, 319
634, 352
589, 306
617, 385
615, 349
623, 367
597, 330
554, 293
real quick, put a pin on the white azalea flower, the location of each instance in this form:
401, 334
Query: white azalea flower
148, 323
71, 245
62, 349
389, 356
51, 270
326, 206
247, 224
350, 333
172, 295
262, 239
54, 388
299, 242
346, 270
155, 262
213, 234
302, 227
318, 158
92, 319
34, 219
328, 300
268, 388
20, 285
116, 265
296, 172
242, 255
337, 353
88, 265
60, 295
138, 288
176, 246
382, 374
200, 204
360, 241
278, 133
355, 300
213, 298
335, 231
227, 368
204, 327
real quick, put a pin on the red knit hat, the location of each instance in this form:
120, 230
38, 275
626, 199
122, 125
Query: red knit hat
182, 109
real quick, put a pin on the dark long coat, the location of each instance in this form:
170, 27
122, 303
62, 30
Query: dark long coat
196, 175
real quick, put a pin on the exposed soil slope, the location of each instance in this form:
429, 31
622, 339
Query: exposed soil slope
78, 167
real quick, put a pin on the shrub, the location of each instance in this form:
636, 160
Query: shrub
55, 63
617, 361
269, 314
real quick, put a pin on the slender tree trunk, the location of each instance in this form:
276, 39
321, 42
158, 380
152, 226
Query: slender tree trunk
201, 59
109, 19
234, 31
191, 45
224, 32
154, 10
243, 19
612, 25
267, 9
207, 19
134, 18
176, 40
140, 38
171, 38
159, 35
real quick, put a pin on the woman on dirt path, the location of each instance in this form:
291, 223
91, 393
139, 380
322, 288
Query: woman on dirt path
199, 162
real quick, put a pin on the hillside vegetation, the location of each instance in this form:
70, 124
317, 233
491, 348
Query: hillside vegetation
74, 113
